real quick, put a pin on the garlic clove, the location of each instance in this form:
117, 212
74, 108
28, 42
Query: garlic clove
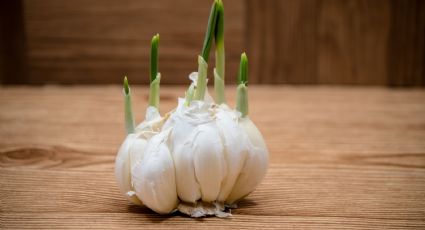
255, 166
235, 150
184, 121
188, 188
132, 151
144, 132
137, 147
154, 176
210, 164
181, 127
123, 168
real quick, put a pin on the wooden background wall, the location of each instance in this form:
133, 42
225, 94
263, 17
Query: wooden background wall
368, 42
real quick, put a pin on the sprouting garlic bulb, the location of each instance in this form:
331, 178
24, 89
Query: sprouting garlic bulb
203, 156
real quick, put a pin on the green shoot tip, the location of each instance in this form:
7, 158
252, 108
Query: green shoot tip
219, 27
154, 57
219, 3
209, 35
243, 69
155, 38
126, 87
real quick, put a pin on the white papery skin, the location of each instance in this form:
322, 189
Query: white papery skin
132, 150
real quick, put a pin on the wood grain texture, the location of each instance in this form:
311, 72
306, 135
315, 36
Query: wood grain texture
341, 158
361, 42
353, 41
13, 50
101, 41
282, 41
407, 43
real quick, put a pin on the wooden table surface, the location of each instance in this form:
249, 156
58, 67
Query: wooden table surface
341, 157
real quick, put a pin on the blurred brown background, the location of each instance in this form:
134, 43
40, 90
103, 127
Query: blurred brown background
367, 42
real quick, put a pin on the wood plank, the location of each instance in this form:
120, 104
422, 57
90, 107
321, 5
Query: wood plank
337, 42
341, 157
105, 40
152, 221
407, 43
363, 42
353, 42
13, 63
282, 41
367, 192
314, 124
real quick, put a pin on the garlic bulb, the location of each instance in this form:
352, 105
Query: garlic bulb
201, 157
202, 153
